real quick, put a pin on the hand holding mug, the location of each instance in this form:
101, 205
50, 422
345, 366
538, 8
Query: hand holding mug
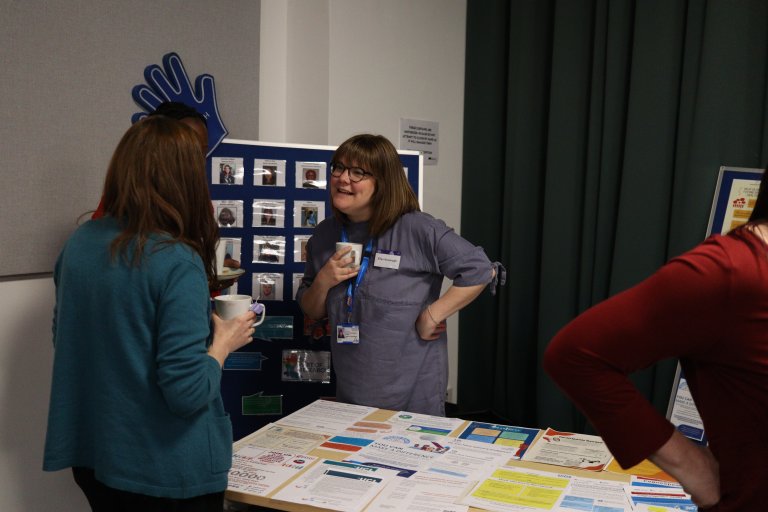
233, 324
341, 266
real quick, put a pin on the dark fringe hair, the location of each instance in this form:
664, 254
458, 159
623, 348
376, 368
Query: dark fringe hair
393, 196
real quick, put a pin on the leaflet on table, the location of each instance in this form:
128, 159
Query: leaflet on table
260, 471
422, 492
424, 423
357, 436
326, 416
284, 438
660, 508
405, 452
369, 429
470, 459
336, 485
649, 491
592, 494
515, 489
518, 437
571, 450
362, 433
644, 468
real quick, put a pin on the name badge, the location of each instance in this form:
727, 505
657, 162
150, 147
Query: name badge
387, 259
348, 333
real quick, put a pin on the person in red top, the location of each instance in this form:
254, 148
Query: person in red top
195, 120
709, 308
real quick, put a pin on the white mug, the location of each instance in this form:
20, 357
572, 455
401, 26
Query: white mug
230, 306
355, 253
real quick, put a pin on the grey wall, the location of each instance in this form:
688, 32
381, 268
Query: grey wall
65, 93
67, 69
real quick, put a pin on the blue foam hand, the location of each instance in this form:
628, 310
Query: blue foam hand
171, 83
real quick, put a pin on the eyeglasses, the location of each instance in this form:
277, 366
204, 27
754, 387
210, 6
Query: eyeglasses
356, 174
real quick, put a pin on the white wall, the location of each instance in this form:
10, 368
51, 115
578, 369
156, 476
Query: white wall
26, 357
352, 66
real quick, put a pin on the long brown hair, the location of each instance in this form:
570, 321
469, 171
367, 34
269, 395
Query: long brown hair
392, 195
156, 184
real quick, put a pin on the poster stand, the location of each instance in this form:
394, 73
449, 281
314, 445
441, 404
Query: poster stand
267, 198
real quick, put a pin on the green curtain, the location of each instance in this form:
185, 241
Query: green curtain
593, 135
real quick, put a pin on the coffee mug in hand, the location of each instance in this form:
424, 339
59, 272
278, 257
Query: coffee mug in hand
231, 306
355, 253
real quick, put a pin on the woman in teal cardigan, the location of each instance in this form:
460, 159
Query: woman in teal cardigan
135, 403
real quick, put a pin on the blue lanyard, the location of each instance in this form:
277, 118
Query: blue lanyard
363, 269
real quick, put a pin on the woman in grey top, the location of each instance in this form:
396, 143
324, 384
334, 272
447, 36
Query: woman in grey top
387, 316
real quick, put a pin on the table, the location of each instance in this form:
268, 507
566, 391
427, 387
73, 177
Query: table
382, 415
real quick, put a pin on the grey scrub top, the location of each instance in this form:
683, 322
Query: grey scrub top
392, 367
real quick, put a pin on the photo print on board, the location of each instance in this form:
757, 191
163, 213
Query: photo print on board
268, 173
300, 248
233, 253
311, 175
269, 249
297, 277
267, 286
232, 259
308, 214
269, 213
229, 214
227, 171
306, 366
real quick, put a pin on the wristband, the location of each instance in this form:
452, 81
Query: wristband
431, 317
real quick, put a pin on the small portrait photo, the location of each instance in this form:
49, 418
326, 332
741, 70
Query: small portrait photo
269, 176
268, 286
227, 217
310, 178
269, 250
227, 171
300, 248
308, 216
268, 173
310, 175
269, 213
297, 278
229, 214
268, 217
231, 252
267, 291
226, 174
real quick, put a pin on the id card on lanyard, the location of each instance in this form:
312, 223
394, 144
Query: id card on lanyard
349, 332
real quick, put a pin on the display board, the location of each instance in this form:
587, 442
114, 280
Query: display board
267, 199
732, 205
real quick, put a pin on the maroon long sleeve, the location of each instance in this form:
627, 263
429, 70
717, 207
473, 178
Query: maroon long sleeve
709, 308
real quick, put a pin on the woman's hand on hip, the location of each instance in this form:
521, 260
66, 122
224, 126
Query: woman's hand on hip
428, 328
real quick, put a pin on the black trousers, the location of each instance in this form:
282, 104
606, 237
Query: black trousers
106, 499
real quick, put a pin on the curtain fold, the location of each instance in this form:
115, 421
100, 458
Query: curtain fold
594, 131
